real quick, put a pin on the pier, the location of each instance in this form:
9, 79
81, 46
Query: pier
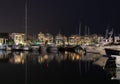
96, 59
101, 61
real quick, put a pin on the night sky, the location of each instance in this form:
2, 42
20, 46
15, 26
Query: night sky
63, 16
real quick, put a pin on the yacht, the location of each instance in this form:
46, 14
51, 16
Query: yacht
27, 48
52, 48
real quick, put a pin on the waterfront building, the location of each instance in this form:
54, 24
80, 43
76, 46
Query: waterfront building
92, 39
45, 38
100, 38
117, 39
4, 38
59, 40
18, 38
71, 40
49, 38
65, 39
74, 40
41, 38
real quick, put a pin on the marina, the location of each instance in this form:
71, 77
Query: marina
59, 41
65, 59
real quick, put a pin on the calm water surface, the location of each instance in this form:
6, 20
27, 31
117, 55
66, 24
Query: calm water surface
35, 67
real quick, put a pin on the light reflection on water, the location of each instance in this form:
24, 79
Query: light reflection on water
36, 57
112, 67
48, 66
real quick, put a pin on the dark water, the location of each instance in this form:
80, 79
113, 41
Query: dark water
37, 68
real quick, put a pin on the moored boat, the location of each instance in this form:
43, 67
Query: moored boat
35, 47
17, 47
27, 48
52, 48
111, 51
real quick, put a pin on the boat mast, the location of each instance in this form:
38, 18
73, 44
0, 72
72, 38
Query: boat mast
106, 35
26, 23
88, 31
85, 30
80, 29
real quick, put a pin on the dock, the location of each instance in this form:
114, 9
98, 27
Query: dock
101, 61
91, 57
97, 59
